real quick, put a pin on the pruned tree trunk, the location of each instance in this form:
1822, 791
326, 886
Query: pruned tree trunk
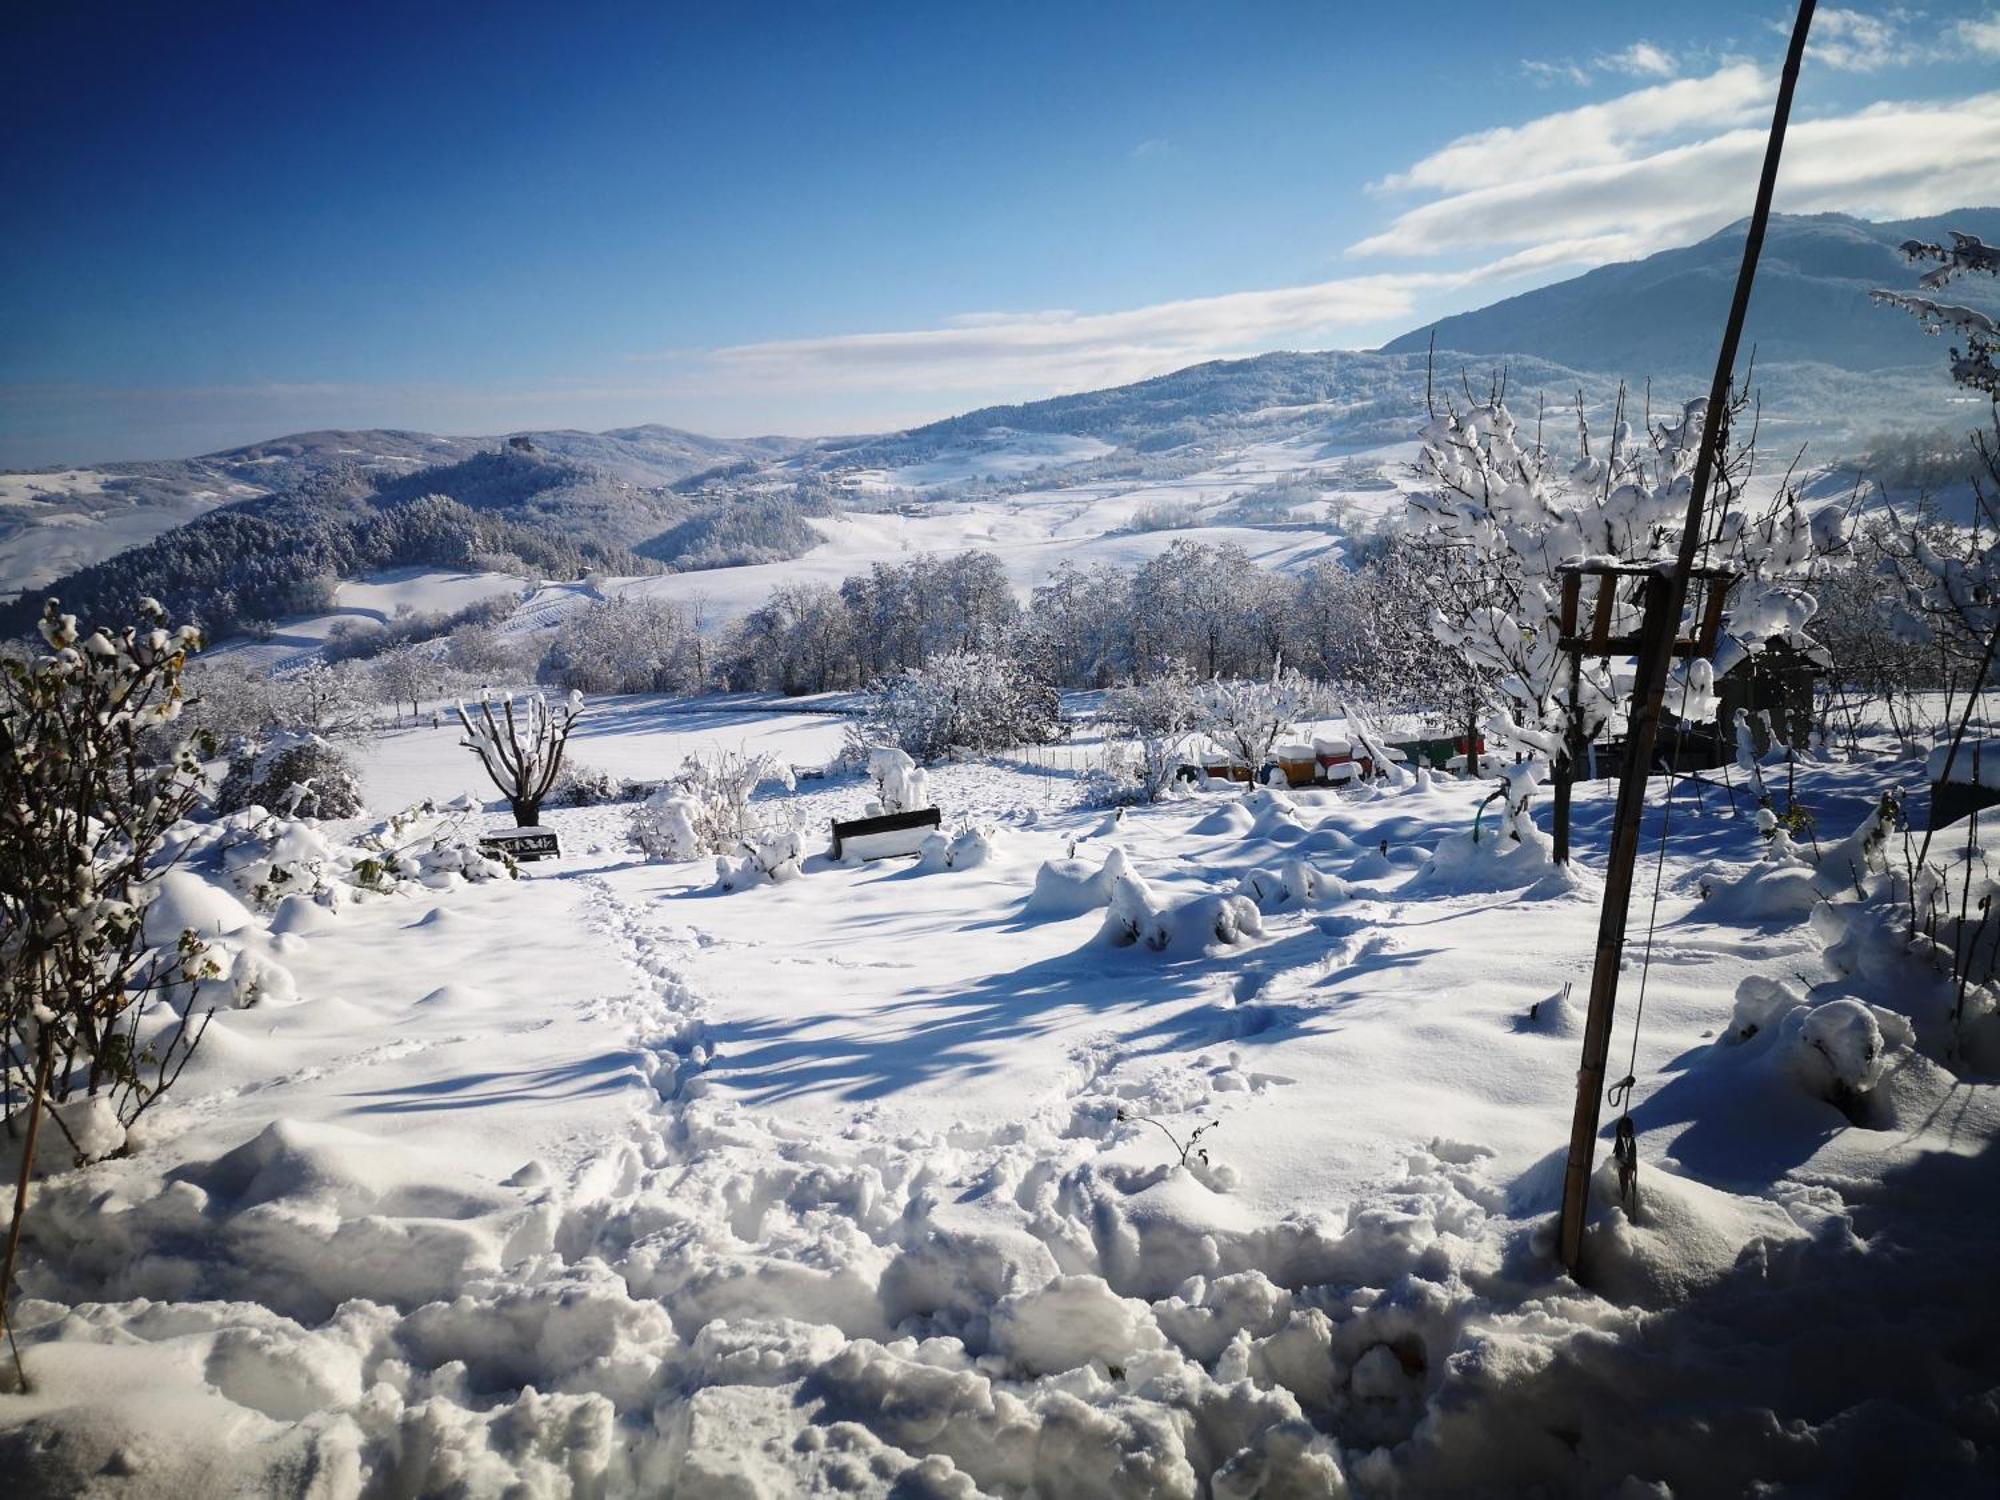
522, 753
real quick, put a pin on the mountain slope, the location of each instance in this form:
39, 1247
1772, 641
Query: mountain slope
56, 521
1663, 314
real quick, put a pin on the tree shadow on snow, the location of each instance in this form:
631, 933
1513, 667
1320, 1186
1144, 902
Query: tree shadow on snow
605, 1073
1149, 1001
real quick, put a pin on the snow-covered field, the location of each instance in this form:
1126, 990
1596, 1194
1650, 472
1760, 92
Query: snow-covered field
870, 1182
1032, 532
1336, 492
377, 600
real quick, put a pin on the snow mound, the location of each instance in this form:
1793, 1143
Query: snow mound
1070, 887
1073, 1321
966, 849
1554, 1015
1374, 865
309, 1215
1761, 1002
185, 902
1777, 890
1839, 1051
1231, 820
300, 915
254, 979
1511, 858
1683, 1236
1323, 840
1197, 924
1292, 885
1274, 816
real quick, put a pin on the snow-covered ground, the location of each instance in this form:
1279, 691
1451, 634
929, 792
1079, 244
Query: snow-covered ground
870, 1182
1007, 455
377, 600
1032, 532
1335, 492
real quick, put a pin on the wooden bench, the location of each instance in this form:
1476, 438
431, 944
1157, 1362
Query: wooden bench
526, 845
885, 837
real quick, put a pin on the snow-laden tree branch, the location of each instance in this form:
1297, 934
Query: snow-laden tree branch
1501, 513
521, 751
1975, 358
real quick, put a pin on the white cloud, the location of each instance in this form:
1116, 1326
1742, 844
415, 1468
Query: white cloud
1641, 60
1660, 165
1591, 134
1074, 350
1982, 35
1887, 160
1853, 41
1543, 72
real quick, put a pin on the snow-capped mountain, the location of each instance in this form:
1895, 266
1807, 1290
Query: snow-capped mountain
1663, 315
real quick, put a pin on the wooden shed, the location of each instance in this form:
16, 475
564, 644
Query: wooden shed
1777, 679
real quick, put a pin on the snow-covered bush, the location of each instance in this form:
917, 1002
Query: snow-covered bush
767, 855
1295, 883
298, 775
85, 814
664, 827
1248, 716
1840, 1049
267, 858
1136, 915
1070, 887
588, 786
900, 784
1158, 716
707, 809
964, 702
967, 849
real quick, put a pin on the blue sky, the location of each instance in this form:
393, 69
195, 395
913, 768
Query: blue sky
224, 222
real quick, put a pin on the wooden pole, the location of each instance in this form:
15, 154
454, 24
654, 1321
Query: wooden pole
1569, 763
1665, 595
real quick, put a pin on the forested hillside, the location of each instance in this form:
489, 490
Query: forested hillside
262, 559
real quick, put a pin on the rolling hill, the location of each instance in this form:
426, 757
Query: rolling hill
1663, 315
267, 529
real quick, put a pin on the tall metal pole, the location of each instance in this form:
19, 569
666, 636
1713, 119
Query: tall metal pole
1649, 688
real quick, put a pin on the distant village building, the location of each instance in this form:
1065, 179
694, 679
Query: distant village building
521, 444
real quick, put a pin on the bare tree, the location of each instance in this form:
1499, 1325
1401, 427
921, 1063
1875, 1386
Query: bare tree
407, 675
522, 752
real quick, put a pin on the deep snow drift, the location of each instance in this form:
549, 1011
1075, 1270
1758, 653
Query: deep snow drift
884, 1179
